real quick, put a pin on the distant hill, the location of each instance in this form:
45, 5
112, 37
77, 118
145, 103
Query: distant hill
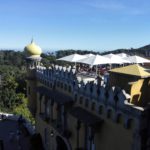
142, 51
17, 58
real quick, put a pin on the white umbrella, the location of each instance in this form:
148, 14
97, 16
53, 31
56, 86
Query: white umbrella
137, 59
115, 59
95, 60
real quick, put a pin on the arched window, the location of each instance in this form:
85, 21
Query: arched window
93, 106
81, 100
65, 87
40, 102
29, 90
75, 98
120, 119
100, 109
86, 103
61, 85
69, 89
47, 108
57, 83
130, 124
109, 114
51, 85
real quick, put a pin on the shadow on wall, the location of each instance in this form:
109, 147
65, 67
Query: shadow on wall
36, 142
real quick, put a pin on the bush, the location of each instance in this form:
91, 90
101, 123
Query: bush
23, 110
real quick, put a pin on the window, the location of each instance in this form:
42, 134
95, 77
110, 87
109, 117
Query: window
81, 100
100, 110
130, 124
61, 85
119, 119
93, 106
75, 98
109, 113
29, 90
58, 84
86, 103
40, 99
47, 109
69, 89
65, 87
51, 85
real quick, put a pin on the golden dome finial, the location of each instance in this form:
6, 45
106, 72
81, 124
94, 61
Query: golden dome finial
32, 49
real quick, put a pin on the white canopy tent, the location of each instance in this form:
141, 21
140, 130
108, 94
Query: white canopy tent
137, 59
88, 55
122, 55
115, 59
72, 58
95, 60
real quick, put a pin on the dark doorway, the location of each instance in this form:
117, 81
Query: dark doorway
61, 145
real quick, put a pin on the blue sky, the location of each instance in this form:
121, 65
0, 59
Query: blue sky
78, 24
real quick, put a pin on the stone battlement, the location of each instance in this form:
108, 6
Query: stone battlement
113, 101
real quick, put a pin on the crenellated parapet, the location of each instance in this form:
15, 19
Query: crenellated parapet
106, 100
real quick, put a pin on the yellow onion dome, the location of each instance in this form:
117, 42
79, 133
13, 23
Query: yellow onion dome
32, 49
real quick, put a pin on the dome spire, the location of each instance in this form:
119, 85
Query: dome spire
32, 40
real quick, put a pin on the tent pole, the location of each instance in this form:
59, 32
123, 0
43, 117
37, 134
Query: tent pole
75, 65
96, 70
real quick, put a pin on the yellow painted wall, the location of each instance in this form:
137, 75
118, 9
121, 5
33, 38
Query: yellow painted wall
138, 88
110, 136
113, 136
32, 84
